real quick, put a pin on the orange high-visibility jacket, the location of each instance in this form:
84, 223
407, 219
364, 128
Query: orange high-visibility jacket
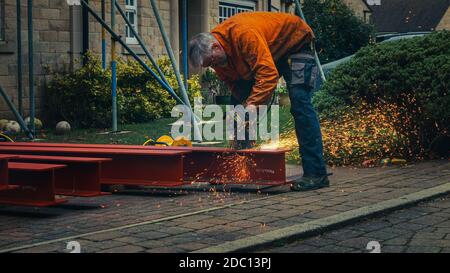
254, 42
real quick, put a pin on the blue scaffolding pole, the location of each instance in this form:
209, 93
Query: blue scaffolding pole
184, 24
103, 36
181, 84
161, 79
130, 51
31, 66
114, 67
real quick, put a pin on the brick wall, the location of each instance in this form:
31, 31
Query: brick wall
51, 46
53, 43
147, 28
58, 40
213, 14
358, 7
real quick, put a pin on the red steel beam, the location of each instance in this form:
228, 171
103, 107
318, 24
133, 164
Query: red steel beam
206, 164
80, 178
4, 177
128, 167
36, 185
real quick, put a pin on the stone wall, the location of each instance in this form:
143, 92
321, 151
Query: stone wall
147, 28
51, 22
445, 22
359, 8
58, 42
58, 38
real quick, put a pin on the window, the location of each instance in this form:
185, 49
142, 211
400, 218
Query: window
368, 17
230, 8
274, 9
374, 2
2, 20
131, 10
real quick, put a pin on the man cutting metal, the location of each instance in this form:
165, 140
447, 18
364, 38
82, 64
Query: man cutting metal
250, 52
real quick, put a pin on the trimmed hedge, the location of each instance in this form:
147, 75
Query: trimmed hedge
412, 74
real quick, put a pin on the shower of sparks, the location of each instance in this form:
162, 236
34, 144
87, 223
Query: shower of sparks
367, 135
227, 169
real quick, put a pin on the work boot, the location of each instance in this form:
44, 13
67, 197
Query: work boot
310, 183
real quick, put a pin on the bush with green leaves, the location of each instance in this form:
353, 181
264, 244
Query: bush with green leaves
412, 74
338, 30
83, 97
213, 86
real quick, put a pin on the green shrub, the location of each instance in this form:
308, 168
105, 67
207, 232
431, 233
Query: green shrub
338, 30
327, 105
362, 134
142, 97
365, 133
213, 86
83, 97
412, 74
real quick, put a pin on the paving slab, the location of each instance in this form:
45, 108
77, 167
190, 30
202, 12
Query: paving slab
203, 217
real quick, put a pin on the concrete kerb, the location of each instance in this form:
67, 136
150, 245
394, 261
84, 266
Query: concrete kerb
326, 224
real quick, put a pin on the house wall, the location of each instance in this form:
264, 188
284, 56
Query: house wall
58, 38
445, 22
359, 7
51, 23
58, 42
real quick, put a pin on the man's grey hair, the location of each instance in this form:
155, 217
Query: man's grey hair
200, 47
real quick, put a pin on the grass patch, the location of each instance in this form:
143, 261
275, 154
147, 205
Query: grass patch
138, 134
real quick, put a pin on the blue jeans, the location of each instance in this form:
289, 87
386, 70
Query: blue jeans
301, 78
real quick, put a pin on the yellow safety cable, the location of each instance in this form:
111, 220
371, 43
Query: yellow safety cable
6, 137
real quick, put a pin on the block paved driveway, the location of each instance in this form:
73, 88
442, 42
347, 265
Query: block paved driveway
185, 220
420, 229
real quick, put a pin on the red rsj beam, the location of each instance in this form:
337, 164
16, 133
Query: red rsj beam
4, 176
204, 164
35, 185
128, 166
80, 178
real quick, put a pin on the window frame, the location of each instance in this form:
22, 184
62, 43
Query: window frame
234, 7
274, 9
132, 9
368, 17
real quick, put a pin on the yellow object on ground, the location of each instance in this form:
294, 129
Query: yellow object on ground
397, 161
393, 161
169, 141
6, 137
386, 161
149, 141
165, 139
182, 142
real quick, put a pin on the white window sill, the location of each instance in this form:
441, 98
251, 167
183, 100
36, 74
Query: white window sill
131, 41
